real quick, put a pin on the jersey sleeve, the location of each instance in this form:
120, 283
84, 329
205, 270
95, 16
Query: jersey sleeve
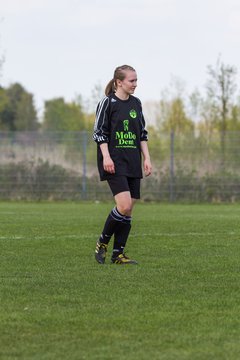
143, 131
101, 127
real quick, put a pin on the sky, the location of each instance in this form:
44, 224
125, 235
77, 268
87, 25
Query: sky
64, 48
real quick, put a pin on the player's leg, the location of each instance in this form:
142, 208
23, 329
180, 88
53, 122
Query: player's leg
124, 203
113, 219
117, 185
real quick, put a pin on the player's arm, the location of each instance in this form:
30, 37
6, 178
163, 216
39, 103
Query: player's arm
101, 126
101, 133
108, 164
147, 166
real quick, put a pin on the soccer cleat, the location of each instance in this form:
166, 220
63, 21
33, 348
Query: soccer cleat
100, 252
123, 259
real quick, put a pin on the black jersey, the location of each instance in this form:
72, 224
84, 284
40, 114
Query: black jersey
121, 124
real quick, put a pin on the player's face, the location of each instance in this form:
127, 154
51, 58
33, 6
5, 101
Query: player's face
129, 84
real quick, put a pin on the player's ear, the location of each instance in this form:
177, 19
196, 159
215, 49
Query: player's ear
118, 82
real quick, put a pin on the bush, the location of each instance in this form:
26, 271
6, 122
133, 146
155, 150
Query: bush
41, 180
38, 181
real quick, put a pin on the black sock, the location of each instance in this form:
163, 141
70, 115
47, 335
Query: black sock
121, 235
113, 220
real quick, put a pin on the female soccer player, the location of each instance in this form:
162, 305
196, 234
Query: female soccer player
121, 137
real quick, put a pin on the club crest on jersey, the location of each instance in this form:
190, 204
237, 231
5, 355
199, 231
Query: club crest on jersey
133, 114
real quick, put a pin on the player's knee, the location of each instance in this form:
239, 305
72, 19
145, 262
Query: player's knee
126, 208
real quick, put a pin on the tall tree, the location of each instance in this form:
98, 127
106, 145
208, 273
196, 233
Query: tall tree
221, 87
234, 121
62, 116
4, 104
18, 112
176, 119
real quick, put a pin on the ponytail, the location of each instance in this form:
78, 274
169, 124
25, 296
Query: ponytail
110, 88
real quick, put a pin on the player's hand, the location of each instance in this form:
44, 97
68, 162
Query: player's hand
147, 167
108, 165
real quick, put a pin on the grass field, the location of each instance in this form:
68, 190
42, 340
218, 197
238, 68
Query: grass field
181, 302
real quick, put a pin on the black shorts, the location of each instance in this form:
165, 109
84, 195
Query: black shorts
119, 184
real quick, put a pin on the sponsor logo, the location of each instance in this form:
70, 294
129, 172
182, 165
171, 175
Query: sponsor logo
125, 138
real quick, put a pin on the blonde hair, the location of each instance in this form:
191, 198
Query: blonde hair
119, 74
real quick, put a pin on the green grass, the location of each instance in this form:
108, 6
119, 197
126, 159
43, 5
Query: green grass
181, 302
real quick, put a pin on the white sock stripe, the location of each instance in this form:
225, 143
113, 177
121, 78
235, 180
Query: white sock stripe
115, 210
128, 218
116, 218
116, 215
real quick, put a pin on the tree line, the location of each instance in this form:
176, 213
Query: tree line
199, 161
18, 112
217, 111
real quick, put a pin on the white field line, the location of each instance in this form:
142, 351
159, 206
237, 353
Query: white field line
95, 236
